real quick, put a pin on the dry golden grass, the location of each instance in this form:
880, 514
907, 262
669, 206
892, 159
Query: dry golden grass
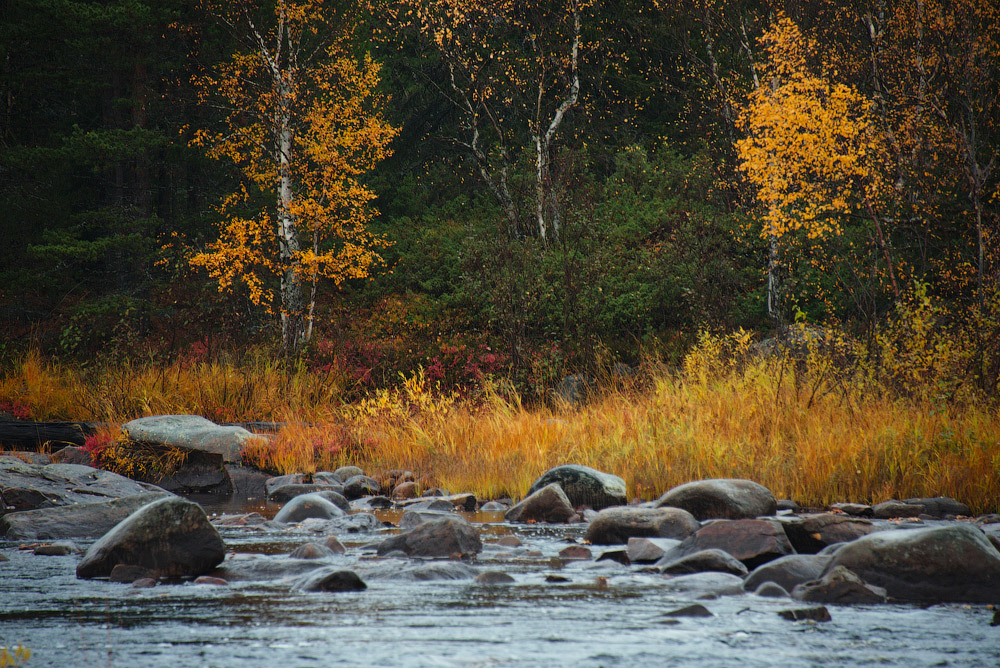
793, 427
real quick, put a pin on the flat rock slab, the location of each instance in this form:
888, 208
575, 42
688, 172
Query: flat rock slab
191, 432
81, 520
26, 486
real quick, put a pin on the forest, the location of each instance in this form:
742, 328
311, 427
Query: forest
336, 210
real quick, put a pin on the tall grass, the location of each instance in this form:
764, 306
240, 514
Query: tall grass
803, 427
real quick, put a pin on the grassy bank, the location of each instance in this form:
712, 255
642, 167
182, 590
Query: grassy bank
792, 424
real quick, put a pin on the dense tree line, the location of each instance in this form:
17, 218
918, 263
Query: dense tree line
568, 180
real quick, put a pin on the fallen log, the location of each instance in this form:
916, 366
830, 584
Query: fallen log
34, 435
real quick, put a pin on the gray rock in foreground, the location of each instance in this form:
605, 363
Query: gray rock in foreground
788, 572
721, 498
948, 563
331, 580
82, 520
585, 486
171, 537
191, 432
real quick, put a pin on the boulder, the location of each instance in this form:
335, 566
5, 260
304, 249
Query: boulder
771, 590
888, 510
330, 580
72, 454
249, 484
413, 518
575, 552
820, 614
445, 537
585, 486
548, 504
58, 549
721, 498
955, 562
347, 472
199, 473
172, 537
840, 586
406, 490
788, 572
572, 390
190, 432
306, 506
285, 493
753, 542
648, 550
427, 505
494, 507
263, 567
26, 486
127, 573
618, 525
693, 610
940, 506
358, 486
82, 520
812, 533
388, 480
705, 560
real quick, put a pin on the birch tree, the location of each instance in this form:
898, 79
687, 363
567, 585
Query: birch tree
301, 123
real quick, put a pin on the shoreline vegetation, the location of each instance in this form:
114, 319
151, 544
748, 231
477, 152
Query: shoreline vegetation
815, 419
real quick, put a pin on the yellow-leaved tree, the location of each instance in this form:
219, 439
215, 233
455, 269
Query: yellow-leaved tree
811, 150
301, 122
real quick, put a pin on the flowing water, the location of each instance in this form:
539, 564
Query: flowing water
604, 614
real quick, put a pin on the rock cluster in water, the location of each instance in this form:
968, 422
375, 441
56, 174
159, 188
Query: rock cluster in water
714, 537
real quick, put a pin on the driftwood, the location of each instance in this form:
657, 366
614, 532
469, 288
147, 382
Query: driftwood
33, 435
21, 435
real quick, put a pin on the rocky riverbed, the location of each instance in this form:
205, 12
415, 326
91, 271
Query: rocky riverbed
715, 573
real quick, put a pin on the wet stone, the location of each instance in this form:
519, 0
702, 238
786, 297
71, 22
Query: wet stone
575, 552
694, 610
820, 614
494, 578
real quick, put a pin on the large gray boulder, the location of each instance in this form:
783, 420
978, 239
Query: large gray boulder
28, 486
616, 525
812, 533
171, 537
585, 486
945, 563
190, 432
721, 498
549, 504
446, 537
81, 520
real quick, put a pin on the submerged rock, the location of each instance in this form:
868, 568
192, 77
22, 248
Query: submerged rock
618, 525
585, 486
721, 498
171, 537
331, 580
549, 504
